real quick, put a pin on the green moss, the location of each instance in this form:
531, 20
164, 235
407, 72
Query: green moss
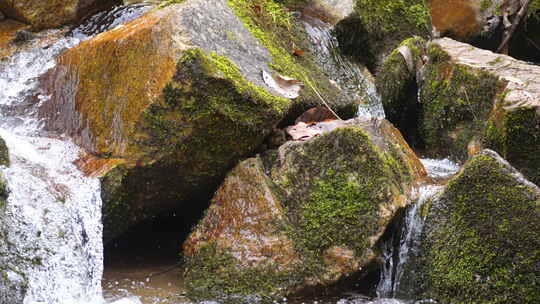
213, 274
456, 102
388, 22
515, 134
210, 117
4, 153
483, 239
485, 4
337, 199
335, 185
273, 24
397, 84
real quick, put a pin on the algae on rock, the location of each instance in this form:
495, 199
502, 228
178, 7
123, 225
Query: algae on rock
174, 99
468, 98
379, 26
303, 217
481, 241
52, 13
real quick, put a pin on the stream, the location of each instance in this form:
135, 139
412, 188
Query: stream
51, 238
51, 233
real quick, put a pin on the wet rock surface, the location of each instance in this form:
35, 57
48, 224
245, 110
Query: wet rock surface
175, 97
49, 14
481, 237
468, 98
302, 217
465, 20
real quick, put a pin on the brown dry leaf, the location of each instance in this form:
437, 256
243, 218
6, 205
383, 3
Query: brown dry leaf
298, 52
303, 131
315, 115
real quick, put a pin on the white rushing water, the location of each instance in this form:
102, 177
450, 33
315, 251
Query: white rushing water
345, 74
397, 252
51, 247
397, 256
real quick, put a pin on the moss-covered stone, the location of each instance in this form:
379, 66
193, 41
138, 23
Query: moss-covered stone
515, 134
481, 242
52, 13
382, 25
175, 98
240, 248
397, 84
301, 218
467, 97
273, 24
456, 101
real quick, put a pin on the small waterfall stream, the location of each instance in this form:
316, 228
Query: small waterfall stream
405, 242
348, 76
51, 234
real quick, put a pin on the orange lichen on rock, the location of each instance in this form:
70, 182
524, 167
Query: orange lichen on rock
117, 73
8, 29
51, 13
456, 18
244, 219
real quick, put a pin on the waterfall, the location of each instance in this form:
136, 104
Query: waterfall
404, 243
51, 247
348, 76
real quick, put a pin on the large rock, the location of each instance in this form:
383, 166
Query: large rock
303, 217
481, 239
173, 100
52, 13
465, 20
468, 98
379, 26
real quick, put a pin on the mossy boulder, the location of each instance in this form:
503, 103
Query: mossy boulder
481, 239
301, 218
467, 98
51, 13
379, 26
396, 83
172, 100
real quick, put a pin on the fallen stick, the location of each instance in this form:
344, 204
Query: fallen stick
514, 26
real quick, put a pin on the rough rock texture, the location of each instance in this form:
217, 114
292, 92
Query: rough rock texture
468, 98
173, 99
481, 242
379, 26
8, 29
303, 217
332, 11
52, 13
397, 85
464, 20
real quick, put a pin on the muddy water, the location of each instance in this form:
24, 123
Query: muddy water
153, 279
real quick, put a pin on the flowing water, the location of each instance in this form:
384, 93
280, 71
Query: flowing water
51, 247
51, 234
405, 242
346, 75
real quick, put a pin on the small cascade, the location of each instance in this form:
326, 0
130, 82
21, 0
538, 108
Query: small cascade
405, 241
396, 252
346, 75
51, 247
440, 169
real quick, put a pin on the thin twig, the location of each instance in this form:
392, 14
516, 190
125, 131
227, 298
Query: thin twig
514, 26
533, 43
322, 99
